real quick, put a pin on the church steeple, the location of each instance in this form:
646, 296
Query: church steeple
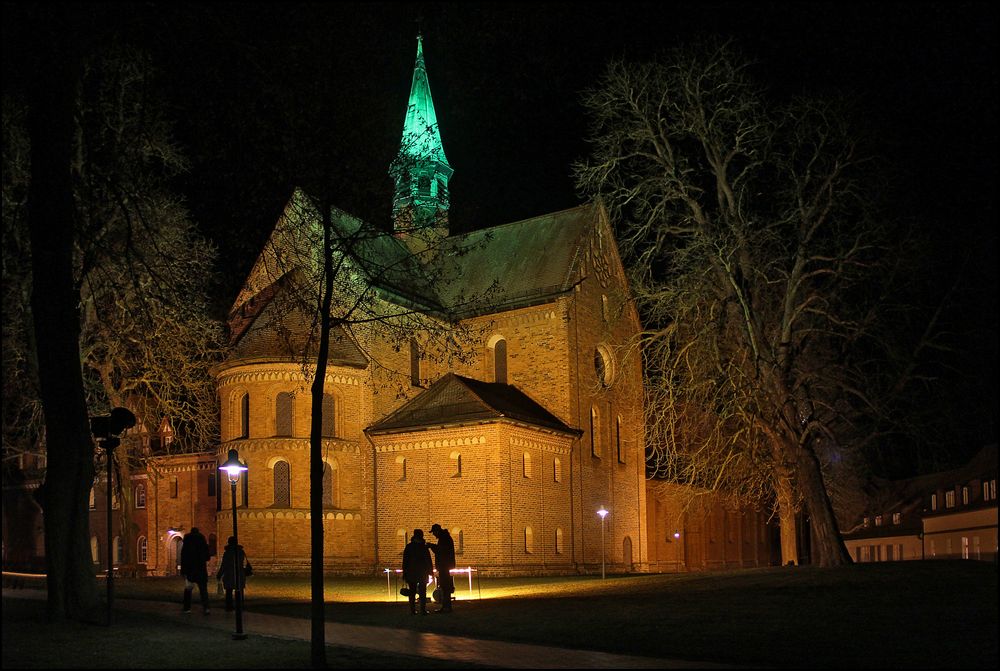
420, 170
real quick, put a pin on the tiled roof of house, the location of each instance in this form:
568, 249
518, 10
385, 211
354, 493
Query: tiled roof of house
456, 400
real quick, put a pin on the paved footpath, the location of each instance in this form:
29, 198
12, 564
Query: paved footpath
405, 641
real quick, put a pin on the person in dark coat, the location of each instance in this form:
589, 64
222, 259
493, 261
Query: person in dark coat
444, 558
416, 568
194, 557
229, 566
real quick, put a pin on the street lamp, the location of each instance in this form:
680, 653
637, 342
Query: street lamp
233, 467
603, 513
107, 428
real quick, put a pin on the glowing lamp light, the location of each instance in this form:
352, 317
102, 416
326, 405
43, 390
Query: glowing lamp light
677, 534
233, 467
603, 513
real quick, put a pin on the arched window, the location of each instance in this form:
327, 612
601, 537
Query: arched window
595, 432
618, 439
329, 416
500, 361
244, 416
140, 496
282, 486
529, 540
526, 465
401, 467
283, 415
559, 541
456, 461
603, 366
94, 549
140, 550
414, 363
331, 485
556, 470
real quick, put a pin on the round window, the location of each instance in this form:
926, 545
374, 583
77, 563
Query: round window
603, 366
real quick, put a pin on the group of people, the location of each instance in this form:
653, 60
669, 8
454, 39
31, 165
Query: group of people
194, 568
417, 568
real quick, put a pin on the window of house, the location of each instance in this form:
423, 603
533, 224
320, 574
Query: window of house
140, 496
456, 462
934, 501
500, 361
282, 484
116, 547
526, 465
283, 415
459, 537
595, 430
213, 486
414, 363
331, 484
949, 498
245, 488
559, 540
329, 416
213, 479
173, 487
94, 549
965, 496
529, 540
245, 416
865, 523
140, 550
965, 547
889, 553
878, 520
976, 551
990, 490
401, 467
556, 470
899, 551
933, 549
897, 518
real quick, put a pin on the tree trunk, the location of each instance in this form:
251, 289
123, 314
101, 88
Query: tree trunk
72, 591
787, 517
316, 465
828, 546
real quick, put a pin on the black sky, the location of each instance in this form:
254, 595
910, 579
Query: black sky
264, 93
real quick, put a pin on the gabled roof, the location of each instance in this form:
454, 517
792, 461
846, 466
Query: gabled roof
455, 401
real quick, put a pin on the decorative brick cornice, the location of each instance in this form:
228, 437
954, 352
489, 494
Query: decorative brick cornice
430, 444
287, 514
245, 445
272, 372
542, 446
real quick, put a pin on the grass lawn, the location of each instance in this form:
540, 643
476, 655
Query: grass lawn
888, 615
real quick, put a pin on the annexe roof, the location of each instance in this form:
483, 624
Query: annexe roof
455, 401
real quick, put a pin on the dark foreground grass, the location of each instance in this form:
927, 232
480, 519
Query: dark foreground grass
889, 615
139, 641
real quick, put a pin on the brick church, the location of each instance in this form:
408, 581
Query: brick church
492, 392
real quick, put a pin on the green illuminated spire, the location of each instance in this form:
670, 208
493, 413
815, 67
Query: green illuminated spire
421, 171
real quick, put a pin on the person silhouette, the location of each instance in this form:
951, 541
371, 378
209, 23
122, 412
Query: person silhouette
416, 567
194, 558
444, 559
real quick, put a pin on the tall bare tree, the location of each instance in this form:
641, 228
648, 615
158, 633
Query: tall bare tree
761, 267
139, 275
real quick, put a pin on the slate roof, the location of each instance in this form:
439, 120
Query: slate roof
455, 400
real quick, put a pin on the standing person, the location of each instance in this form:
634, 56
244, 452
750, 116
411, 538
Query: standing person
194, 557
416, 567
228, 567
444, 556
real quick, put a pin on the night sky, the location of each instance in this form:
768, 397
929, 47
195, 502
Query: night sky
262, 94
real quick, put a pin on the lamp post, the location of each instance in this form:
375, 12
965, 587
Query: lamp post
603, 513
106, 428
233, 467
